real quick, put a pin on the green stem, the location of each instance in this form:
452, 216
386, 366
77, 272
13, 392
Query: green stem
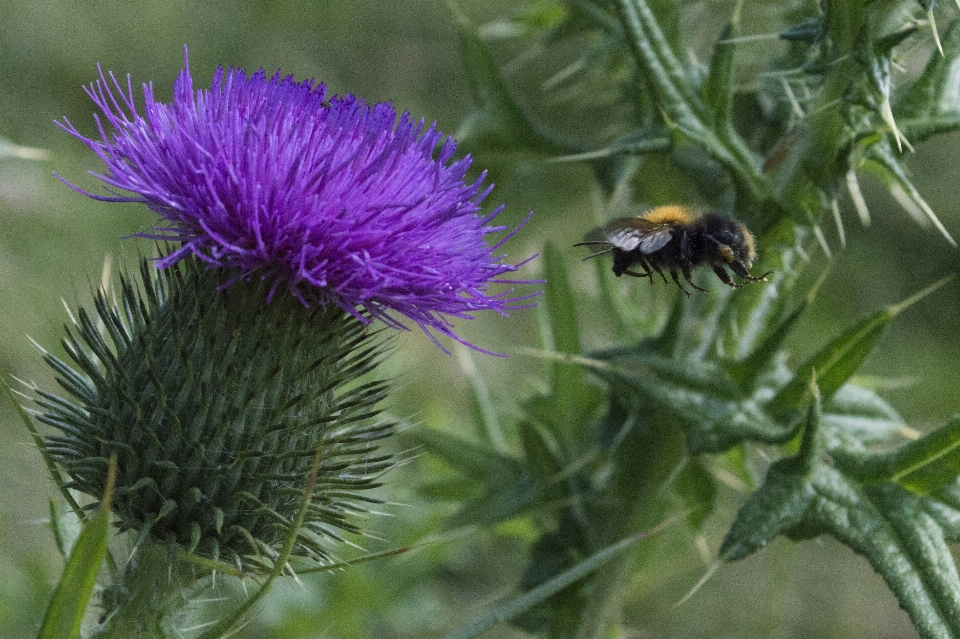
148, 598
641, 477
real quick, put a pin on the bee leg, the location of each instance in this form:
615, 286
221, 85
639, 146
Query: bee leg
686, 276
660, 273
646, 270
758, 278
676, 280
725, 277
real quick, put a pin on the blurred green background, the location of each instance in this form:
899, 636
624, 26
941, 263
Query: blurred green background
54, 242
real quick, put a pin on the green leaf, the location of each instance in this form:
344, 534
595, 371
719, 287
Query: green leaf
924, 465
560, 305
783, 502
470, 459
716, 414
506, 486
718, 88
861, 415
779, 505
679, 100
903, 535
70, 598
544, 591
650, 138
484, 405
696, 487
894, 530
937, 91
539, 452
570, 400
931, 462
881, 162
499, 121
839, 360
747, 371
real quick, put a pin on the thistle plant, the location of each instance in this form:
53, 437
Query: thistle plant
693, 393
224, 403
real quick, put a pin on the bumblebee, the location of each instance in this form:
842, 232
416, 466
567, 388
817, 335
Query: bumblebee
671, 238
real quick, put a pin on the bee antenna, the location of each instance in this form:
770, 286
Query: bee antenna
596, 254
594, 243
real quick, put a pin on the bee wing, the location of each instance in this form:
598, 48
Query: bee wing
633, 233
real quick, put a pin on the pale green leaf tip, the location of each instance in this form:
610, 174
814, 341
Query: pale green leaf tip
895, 309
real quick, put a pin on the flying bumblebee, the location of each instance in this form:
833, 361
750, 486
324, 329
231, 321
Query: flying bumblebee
672, 238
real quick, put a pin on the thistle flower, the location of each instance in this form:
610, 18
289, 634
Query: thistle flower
244, 420
326, 196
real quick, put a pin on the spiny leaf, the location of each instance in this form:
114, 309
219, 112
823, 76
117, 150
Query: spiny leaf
901, 534
549, 588
904, 543
937, 91
499, 121
783, 501
840, 359
881, 162
923, 465
718, 87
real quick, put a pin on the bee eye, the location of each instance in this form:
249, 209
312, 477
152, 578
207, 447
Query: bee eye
726, 253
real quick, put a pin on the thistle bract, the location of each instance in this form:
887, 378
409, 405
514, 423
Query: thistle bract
218, 407
334, 199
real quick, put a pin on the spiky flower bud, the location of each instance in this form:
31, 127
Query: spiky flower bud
217, 405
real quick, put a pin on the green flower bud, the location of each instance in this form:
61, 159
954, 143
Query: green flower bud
218, 402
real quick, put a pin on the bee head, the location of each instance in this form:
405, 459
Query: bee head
733, 243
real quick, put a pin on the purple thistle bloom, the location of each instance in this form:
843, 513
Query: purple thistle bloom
325, 195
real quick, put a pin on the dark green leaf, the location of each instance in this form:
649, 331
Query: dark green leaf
470, 459
903, 542
544, 591
809, 30
506, 485
839, 360
539, 453
718, 88
698, 490
937, 90
499, 121
779, 505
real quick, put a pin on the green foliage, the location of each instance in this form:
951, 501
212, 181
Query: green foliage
70, 599
598, 457
692, 395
